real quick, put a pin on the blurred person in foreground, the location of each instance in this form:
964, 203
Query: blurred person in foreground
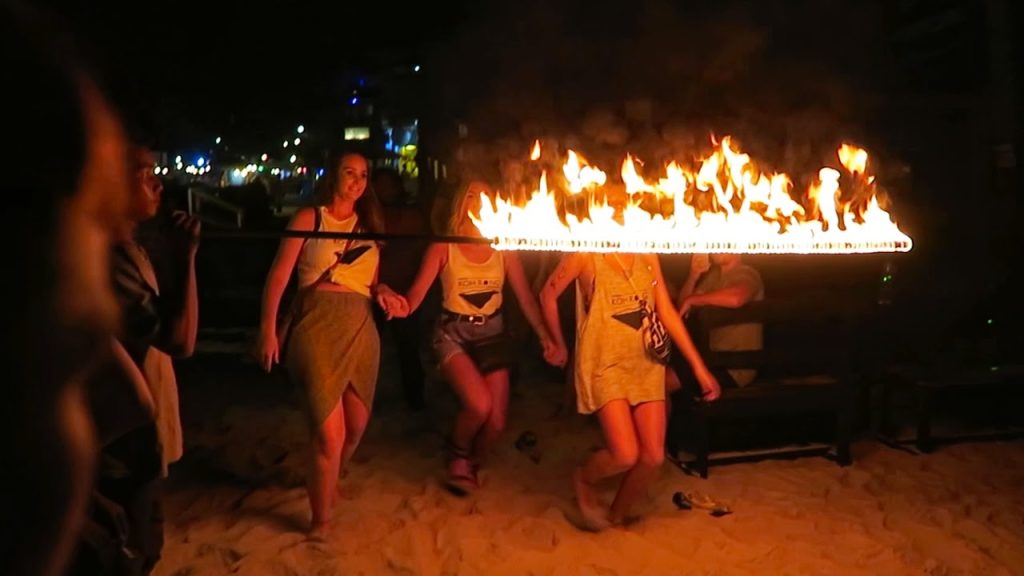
71, 191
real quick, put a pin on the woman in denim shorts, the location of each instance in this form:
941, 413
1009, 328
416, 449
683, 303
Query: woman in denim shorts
469, 334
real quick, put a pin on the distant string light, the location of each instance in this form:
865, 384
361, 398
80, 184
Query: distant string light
300, 129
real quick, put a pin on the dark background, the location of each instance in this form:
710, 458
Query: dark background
928, 86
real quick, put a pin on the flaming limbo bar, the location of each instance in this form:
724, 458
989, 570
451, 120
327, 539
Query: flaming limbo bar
724, 204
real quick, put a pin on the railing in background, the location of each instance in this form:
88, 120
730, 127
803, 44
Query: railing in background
199, 197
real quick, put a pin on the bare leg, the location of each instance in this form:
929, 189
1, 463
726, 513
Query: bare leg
357, 416
497, 385
649, 419
324, 463
672, 384
620, 455
475, 399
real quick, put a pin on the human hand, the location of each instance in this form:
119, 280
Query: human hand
684, 310
393, 304
699, 264
709, 384
555, 354
267, 349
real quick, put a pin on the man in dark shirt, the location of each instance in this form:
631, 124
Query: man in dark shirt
399, 264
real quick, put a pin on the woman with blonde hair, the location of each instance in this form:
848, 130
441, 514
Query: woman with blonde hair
618, 376
469, 336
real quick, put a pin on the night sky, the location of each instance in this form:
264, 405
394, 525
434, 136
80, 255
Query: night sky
192, 70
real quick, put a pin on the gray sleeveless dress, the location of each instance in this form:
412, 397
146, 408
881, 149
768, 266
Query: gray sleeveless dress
611, 360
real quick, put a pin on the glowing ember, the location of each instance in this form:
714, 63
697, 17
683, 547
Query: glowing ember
724, 205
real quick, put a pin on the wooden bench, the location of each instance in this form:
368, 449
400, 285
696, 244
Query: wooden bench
930, 387
806, 367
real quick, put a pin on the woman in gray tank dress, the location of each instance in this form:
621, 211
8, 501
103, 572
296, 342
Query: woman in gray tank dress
615, 376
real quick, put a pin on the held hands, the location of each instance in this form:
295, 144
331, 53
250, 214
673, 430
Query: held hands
392, 303
553, 353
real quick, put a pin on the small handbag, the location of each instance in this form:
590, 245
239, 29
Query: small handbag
656, 339
285, 320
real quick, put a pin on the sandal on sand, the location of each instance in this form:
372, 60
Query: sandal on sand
461, 479
689, 500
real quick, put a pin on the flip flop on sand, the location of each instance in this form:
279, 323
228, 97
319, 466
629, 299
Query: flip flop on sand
690, 500
527, 444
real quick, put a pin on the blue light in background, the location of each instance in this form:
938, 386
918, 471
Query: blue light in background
200, 161
354, 100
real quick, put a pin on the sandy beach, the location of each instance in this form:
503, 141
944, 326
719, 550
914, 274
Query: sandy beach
236, 505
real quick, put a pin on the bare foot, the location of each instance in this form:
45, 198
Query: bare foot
594, 516
318, 531
624, 522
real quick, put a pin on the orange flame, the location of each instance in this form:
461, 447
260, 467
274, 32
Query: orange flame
724, 204
853, 159
535, 153
580, 176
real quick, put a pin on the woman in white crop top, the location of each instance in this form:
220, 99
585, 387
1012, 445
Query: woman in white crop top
468, 337
333, 348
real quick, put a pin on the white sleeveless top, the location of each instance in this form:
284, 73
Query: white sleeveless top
360, 258
470, 288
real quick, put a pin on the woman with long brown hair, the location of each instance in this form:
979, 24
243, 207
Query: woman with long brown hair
333, 348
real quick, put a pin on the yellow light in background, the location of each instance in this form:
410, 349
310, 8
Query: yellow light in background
357, 133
